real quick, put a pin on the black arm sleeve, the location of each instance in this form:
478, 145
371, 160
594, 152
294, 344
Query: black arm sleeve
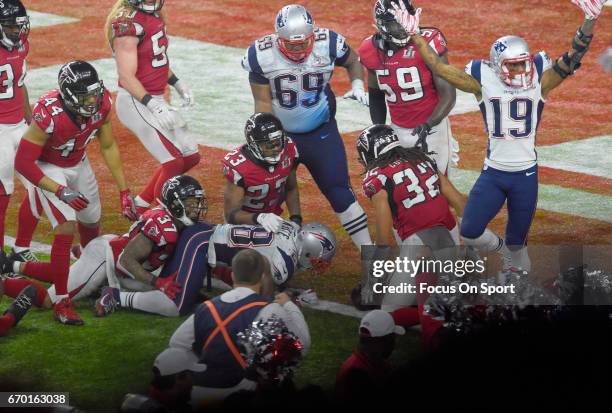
378, 106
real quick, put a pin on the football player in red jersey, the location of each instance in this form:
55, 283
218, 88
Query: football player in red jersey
147, 246
409, 195
15, 111
136, 32
261, 175
51, 156
128, 260
419, 102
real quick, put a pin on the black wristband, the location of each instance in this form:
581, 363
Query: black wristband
255, 216
297, 219
172, 80
146, 99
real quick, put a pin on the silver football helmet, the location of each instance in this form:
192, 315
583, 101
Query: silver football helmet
513, 62
317, 247
295, 30
147, 8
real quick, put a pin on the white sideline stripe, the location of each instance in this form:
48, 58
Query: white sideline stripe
39, 19
588, 156
221, 89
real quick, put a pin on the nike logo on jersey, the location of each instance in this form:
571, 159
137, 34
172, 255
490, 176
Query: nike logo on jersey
529, 173
324, 136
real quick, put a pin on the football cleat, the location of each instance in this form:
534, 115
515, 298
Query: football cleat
308, 297
20, 306
63, 312
23, 256
108, 302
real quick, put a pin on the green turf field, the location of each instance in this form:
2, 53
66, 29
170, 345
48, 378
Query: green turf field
108, 357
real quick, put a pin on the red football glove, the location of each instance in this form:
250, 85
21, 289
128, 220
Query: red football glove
168, 286
75, 199
591, 8
409, 22
128, 207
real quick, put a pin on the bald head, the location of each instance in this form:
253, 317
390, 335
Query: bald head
248, 267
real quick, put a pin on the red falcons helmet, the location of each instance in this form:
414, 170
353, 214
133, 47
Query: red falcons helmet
388, 28
14, 23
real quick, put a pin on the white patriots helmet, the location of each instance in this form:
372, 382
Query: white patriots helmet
317, 244
508, 50
295, 28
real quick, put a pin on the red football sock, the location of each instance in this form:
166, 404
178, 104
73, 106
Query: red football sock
87, 233
168, 170
57, 270
27, 223
13, 286
4, 201
190, 161
148, 193
406, 316
7, 321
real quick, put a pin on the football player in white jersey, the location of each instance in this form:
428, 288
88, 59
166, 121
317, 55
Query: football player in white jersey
511, 89
289, 250
289, 73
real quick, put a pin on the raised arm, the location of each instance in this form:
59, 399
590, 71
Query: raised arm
570, 61
451, 74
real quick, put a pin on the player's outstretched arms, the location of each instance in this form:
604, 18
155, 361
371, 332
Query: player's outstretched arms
454, 76
570, 61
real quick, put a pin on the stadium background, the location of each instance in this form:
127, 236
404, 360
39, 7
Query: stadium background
209, 39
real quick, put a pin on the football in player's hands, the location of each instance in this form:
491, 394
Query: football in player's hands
271, 222
591, 8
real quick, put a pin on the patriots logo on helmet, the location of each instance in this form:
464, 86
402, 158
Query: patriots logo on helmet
280, 20
500, 47
325, 243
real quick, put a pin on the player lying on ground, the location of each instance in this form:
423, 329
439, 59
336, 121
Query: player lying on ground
261, 175
128, 260
202, 246
511, 89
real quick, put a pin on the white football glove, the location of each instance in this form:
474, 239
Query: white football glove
358, 93
185, 94
591, 8
409, 22
161, 111
271, 222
